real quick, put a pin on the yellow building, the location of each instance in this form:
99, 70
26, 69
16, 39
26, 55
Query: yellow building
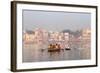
86, 38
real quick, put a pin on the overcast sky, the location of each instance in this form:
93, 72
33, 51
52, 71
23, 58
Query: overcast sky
55, 21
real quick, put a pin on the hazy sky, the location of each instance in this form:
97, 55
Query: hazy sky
55, 21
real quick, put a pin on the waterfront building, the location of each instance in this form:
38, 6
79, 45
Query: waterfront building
28, 36
86, 38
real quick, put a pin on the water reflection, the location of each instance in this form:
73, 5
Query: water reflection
33, 53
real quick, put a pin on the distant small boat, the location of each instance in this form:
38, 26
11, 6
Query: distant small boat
42, 50
67, 48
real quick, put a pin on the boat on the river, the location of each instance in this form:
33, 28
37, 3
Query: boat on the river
67, 48
54, 47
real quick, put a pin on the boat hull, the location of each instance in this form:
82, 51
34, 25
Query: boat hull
53, 50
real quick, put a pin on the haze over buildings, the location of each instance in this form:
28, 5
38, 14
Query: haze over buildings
55, 21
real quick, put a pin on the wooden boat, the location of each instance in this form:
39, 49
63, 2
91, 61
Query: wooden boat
53, 47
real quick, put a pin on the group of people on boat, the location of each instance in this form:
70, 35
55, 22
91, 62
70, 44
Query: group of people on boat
54, 46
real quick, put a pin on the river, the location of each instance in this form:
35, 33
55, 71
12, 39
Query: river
33, 53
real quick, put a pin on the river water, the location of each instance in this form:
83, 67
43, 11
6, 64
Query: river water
33, 53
